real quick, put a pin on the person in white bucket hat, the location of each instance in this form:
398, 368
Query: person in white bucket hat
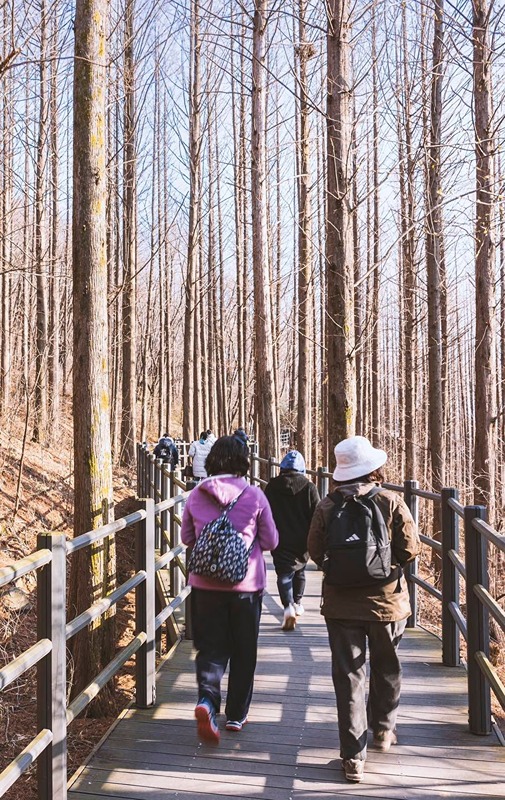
359, 609
356, 456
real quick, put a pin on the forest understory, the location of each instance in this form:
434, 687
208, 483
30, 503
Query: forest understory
46, 503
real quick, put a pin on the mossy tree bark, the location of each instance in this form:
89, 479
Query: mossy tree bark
485, 248
92, 569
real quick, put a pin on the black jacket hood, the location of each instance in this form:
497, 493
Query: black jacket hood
289, 483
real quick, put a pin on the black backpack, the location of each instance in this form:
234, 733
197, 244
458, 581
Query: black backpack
358, 547
165, 450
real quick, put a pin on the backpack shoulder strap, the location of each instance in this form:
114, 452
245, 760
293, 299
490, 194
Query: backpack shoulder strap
230, 505
337, 498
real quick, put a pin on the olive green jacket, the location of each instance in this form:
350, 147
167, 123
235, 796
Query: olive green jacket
387, 602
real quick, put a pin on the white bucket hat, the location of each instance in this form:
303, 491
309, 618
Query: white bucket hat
356, 457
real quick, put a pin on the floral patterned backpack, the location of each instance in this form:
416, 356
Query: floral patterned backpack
220, 551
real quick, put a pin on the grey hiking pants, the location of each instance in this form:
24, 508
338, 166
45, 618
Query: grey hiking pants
348, 655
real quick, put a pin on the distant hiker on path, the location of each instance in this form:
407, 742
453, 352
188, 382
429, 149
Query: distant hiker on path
293, 499
167, 450
362, 535
242, 436
198, 452
226, 615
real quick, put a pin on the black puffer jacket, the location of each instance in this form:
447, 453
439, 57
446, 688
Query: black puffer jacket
293, 499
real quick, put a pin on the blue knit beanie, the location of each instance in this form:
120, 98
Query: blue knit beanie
293, 460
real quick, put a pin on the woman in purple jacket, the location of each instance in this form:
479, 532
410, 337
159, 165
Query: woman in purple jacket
226, 616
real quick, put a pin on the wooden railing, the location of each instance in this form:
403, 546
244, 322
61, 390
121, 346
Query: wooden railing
470, 563
157, 547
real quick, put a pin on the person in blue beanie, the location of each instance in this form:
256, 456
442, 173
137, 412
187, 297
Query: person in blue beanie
293, 499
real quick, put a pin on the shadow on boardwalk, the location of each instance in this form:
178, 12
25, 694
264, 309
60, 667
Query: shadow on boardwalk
289, 750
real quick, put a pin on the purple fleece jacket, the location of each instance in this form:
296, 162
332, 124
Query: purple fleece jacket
251, 516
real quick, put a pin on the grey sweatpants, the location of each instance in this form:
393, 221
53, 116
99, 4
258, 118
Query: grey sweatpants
348, 655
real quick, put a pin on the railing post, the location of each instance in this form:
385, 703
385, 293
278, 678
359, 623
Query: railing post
158, 466
151, 479
270, 467
172, 566
51, 670
477, 619
323, 483
176, 581
188, 605
145, 474
165, 515
412, 502
145, 694
450, 580
182, 454
254, 471
139, 469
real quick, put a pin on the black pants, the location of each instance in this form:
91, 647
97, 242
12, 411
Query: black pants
290, 583
225, 630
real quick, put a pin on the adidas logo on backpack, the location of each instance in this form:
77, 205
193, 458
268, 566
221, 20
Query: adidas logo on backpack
358, 547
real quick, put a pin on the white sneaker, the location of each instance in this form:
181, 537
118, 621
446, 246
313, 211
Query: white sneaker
299, 609
289, 621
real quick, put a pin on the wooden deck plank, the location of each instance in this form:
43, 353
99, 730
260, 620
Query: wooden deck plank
289, 751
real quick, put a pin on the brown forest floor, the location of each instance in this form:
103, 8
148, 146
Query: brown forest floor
46, 504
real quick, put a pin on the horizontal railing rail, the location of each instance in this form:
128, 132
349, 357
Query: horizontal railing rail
158, 548
155, 521
473, 569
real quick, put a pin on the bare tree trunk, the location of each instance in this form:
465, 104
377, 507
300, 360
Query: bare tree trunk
54, 293
305, 276
375, 362
128, 451
485, 367
339, 239
40, 394
409, 273
117, 270
190, 334
238, 119
265, 401
222, 411
434, 252
6, 230
92, 574
166, 357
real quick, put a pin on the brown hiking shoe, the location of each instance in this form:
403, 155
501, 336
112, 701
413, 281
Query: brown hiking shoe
354, 769
383, 740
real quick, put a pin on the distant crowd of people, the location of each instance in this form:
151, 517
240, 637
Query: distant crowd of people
360, 536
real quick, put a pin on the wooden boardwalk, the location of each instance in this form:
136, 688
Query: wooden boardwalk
289, 750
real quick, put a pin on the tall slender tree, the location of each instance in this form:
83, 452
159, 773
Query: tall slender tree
434, 253
339, 236
305, 266
265, 395
485, 353
92, 574
129, 294
41, 244
190, 331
